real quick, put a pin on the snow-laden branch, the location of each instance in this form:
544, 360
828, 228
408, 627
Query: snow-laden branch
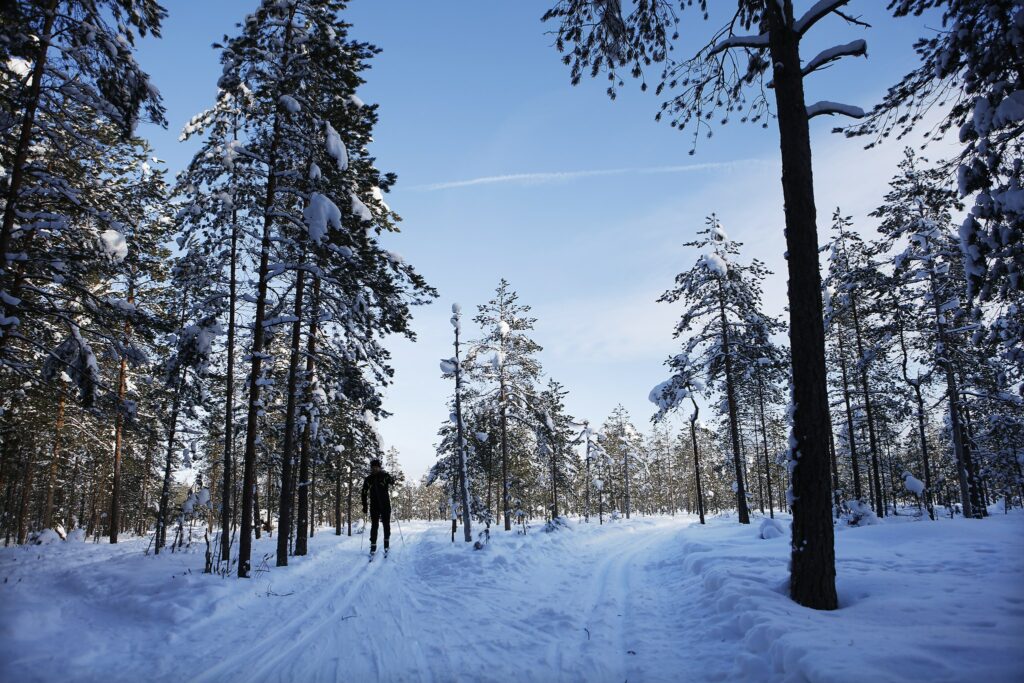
856, 48
758, 42
817, 12
831, 108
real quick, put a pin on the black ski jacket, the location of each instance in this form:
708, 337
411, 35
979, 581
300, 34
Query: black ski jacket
375, 487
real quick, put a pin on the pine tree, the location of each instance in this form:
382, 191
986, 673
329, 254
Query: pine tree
597, 37
504, 357
853, 271
916, 218
972, 69
723, 299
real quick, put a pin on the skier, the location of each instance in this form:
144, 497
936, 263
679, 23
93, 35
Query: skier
375, 487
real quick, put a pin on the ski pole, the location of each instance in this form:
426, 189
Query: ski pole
400, 534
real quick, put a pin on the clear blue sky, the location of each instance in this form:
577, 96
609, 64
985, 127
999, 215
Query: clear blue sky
590, 229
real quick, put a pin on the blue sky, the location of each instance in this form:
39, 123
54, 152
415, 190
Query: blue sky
506, 170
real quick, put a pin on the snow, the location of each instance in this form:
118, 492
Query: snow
291, 104
320, 213
830, 108
19, 66
913, 484
114, 245
335, 147
715, 264
648, 599
360, 210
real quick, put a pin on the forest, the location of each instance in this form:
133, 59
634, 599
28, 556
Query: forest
197, 362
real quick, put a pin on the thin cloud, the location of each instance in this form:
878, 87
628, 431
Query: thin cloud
563, 176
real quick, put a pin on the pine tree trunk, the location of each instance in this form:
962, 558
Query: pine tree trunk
165, 493
730, 393
70, 498
851, 434
258, 332
305, 486
122, 388
463, 475
504, 450
284, 520
26, 496
812, 577
337, 495
696, 462
54, 459
229, 398
868, 411
25, 137
764, 442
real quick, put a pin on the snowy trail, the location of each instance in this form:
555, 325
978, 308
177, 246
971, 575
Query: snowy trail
647, 599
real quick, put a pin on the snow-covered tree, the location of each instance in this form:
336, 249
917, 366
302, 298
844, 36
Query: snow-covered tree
757, 37
723, 303
504, 358
971, 68
916, 222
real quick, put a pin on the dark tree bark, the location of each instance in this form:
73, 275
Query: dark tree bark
868, 410
734, 430
813, 569
122, 388
258, 333
305, 485
54, 460
284, 520
165, 492
696, 460
25, 136
229, 398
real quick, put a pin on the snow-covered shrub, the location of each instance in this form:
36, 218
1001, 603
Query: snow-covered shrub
771, 528
858, 514
76, 536
560, 522
45, 537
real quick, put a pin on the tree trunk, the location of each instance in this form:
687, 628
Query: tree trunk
851, 433
165, 493
696, 461
249, 459
463, 475
730, 393
25, 137
305, 486
764, 442
284, 521
229, 398
812, 576
337, 495
862, 366
503, 400
122, 388
54, 459
26, 497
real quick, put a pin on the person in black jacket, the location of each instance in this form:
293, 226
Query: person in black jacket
375, 490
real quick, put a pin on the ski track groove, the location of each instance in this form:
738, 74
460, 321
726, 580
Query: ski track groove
307, 622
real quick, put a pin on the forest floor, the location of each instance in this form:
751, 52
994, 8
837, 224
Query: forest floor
648, 599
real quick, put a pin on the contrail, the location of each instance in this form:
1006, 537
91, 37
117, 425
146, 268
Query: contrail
561, 176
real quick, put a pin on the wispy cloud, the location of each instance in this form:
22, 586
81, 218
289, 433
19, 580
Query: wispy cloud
543, 178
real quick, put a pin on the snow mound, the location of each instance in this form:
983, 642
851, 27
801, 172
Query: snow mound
772, 528
859, 513
46, 537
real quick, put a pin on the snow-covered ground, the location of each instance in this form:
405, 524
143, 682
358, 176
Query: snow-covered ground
642, 600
